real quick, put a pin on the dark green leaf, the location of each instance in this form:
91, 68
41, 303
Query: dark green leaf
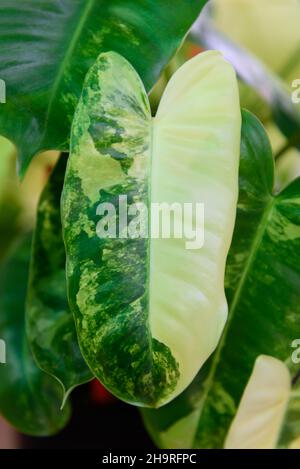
47, 46
262, 286
50, 324
29, 398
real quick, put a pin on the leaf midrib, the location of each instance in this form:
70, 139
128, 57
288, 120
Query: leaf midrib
77, 33
251, 258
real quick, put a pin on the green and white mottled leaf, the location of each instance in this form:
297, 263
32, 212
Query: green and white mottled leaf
149, 312
259, 417
50, 324
290, 428
268, 416
47, 47
262, 287
29, 398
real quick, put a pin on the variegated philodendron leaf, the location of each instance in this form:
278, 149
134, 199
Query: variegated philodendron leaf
150, 310
269, 412
262, 287
50, 324
29, 398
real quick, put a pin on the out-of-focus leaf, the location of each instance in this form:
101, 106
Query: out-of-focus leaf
262, 287
29, 398
253, 72
6, 152
268, 415
10, 206
50, 324
149, 307
287, 166
47, 46
18, 200
10, 229
269, 29
290, 431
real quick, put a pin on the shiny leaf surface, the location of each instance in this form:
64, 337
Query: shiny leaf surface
49, 45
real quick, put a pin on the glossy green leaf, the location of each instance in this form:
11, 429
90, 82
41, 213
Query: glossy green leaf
262, 286
150, 310
29, 398
50, 324
47, 46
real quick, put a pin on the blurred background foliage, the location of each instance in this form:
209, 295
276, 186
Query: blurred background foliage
18, 199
